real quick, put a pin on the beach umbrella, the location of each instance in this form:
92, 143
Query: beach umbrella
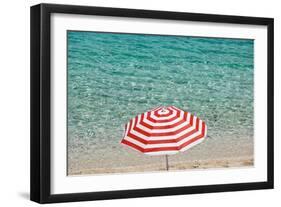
164, 131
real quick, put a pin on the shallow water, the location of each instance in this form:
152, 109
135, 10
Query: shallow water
114, 77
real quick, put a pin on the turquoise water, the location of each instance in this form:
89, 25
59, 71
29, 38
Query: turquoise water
114, 77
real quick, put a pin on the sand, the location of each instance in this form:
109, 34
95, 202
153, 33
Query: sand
212, 153
199, 164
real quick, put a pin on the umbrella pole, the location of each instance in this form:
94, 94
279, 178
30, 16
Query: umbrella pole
167, 162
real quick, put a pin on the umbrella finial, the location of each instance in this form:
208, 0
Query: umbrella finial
163, 110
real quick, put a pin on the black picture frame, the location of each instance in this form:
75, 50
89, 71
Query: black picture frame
40, 184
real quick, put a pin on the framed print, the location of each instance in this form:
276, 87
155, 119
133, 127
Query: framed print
133, 103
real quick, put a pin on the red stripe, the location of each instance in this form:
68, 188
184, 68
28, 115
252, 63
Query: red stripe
191, 132
148, 150
163, 133
132, 145
159, 149
129, 134
179, 138
165, 141
195, 138
137, 138
166, 126
162, 121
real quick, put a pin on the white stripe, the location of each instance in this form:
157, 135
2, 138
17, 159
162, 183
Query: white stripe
192, 144
139, 125
175, 144
127, 129
193, 135
163, 124
165, 117
161, 153
154, 153
164, 137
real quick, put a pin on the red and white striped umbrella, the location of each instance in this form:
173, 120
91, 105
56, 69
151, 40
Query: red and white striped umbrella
164, 130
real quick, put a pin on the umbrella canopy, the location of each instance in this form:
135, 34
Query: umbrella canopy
164, 130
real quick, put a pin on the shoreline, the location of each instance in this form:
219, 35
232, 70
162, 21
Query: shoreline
226, 163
